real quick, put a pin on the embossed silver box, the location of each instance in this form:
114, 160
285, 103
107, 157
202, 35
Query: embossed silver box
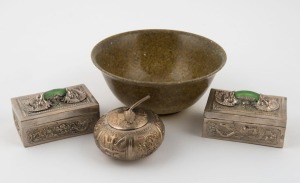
245, 116
55, 114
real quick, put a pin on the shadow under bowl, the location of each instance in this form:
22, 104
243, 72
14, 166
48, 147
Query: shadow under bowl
175, 68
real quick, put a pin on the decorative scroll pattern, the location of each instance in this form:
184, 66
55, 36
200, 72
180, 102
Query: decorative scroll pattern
243, 132
60, 130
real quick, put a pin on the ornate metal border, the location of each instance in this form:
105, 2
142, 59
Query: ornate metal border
244, 132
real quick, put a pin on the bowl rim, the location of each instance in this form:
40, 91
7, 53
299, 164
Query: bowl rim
224, 60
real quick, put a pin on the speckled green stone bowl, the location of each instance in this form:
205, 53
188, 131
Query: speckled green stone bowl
175, 68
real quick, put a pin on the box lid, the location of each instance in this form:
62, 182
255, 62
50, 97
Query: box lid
223, 104
77, 101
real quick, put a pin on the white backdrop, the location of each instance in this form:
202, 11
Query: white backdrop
47, 44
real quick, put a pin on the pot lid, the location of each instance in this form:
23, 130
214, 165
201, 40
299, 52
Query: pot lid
125, 118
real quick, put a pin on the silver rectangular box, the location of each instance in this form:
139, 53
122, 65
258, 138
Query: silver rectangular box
55, 115
245, 119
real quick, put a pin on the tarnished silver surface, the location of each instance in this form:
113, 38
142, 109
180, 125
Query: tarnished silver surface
225, 98
129, 133
266, 103
39, 120
258, 122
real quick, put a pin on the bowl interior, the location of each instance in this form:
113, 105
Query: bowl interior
160, 56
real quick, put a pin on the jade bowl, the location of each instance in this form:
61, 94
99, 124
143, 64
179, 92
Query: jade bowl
175, 68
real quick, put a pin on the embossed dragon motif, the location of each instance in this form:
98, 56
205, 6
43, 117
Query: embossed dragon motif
249, 98
54, 97
53, 131
245, 132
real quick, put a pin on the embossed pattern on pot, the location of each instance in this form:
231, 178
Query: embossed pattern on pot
129, 133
